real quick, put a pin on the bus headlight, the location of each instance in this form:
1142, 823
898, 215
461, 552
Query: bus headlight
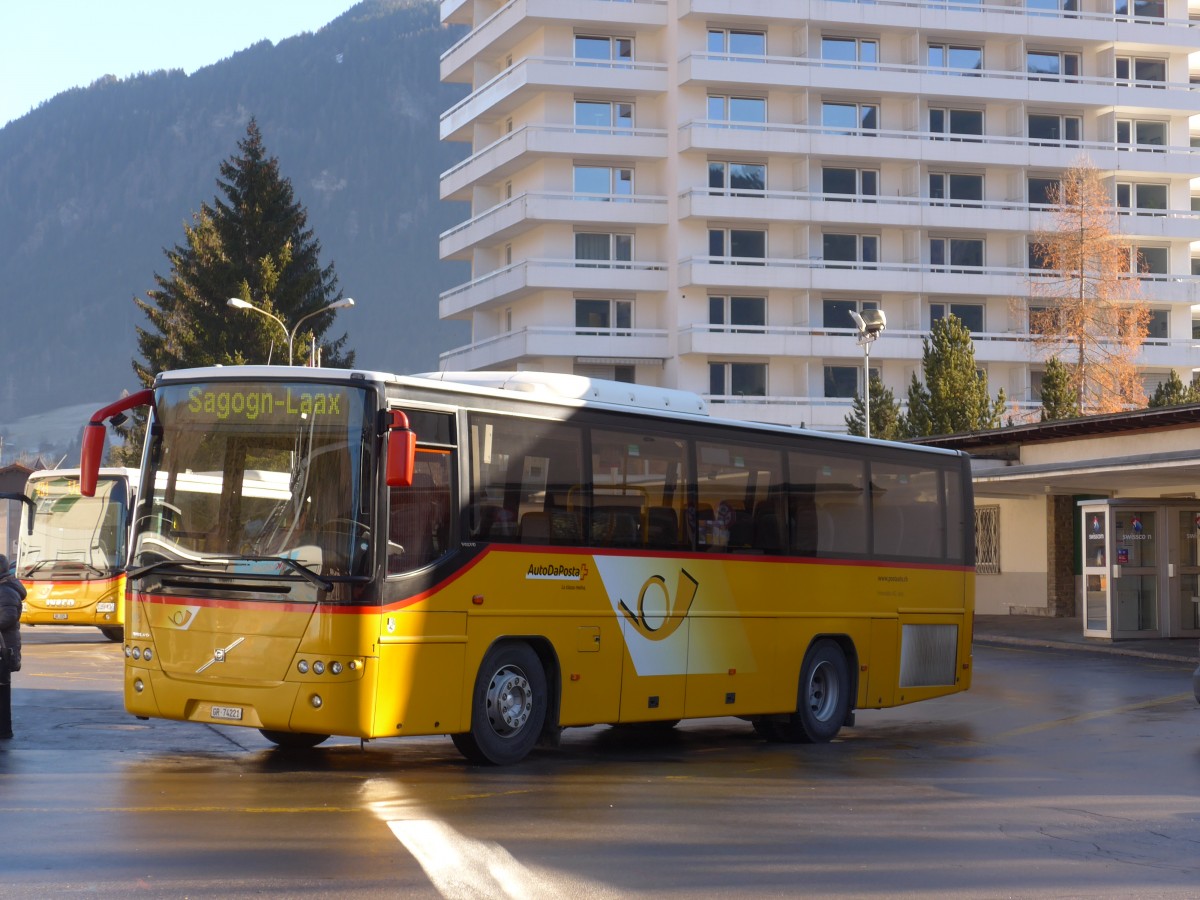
316, 701
137, 653
302, 667
148, 655
335, 667
138, 687
318, 668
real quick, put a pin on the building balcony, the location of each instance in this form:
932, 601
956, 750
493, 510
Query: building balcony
630, 345
831, 77
527, 276
529, 210
518, 19
951, 18
716, 136
510, 153
537, 74
814, 274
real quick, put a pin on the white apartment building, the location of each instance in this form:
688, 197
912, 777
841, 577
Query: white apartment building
695, 193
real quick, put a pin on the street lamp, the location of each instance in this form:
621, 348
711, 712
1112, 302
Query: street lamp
238, 303
870, 324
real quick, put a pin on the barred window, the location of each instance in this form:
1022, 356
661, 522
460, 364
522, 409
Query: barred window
987, 540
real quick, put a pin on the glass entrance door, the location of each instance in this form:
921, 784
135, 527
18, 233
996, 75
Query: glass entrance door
1095, 572
1134, 547
1185, 597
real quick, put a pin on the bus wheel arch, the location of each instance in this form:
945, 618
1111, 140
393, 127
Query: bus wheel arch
826, 692
511, 703
293, 740
114, 633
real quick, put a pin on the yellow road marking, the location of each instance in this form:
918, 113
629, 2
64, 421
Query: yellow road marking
1091, 716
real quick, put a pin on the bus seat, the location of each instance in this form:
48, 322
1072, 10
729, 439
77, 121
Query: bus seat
662, 523
804, 524
616, 526
493, 523
826, 535
565, 527
534, 528
769, 535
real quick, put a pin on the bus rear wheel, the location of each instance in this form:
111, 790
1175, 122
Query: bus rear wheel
508, 707
823, 701
293, 740
114, 633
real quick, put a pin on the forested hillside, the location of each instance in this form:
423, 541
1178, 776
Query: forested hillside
96, 183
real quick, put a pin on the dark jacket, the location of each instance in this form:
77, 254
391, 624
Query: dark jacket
12, 592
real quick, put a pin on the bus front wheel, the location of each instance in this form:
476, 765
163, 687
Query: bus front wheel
823, 702
293, 740
508, 707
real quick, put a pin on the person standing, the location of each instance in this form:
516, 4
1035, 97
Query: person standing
12, 593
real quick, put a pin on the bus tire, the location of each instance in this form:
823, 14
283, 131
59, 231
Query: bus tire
293, 740
823, 701
114, 633
508, 707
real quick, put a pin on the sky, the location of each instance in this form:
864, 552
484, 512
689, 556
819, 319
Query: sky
50, 46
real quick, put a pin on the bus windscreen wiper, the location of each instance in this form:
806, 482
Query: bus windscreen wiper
224, 561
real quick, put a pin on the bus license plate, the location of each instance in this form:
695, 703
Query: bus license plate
232, 713
59, 617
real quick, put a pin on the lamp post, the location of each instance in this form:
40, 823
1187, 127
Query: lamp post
238, 303
870, 324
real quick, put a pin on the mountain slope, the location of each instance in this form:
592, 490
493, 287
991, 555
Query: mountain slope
97, 183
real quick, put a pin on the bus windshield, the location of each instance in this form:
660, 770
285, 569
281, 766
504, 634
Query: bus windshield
76, 536
243, 473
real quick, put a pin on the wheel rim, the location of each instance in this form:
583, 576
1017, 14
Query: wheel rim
509, 701
823, 692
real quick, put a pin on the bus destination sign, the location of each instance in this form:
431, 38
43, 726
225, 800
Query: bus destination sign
267, 403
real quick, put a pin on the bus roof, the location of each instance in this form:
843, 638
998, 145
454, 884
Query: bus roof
553, 388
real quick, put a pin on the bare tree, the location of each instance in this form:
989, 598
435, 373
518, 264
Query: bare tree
1083, 306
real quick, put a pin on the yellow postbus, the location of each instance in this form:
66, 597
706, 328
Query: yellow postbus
72, 559
498, 556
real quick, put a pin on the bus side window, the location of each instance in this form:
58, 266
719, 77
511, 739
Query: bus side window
419, 515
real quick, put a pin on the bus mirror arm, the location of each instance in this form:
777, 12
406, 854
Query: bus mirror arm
94, 433
10, 495
401, 451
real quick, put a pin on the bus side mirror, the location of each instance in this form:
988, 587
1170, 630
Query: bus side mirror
401, 451
89, 458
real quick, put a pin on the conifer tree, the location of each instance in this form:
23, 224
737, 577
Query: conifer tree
954, 396
253, 242
885, 413
1173, 392
1059, 400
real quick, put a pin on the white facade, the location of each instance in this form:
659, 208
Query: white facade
692, 193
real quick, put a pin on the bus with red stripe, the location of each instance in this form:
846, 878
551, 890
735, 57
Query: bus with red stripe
72, 557
497, 556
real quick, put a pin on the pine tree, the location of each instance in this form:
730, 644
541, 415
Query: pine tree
1059, 400
1173, 392
1083, 303
954, 396
252, 243
885, 413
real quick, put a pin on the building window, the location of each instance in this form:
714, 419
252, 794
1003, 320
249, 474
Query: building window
1158, 328
728, 379
845, 382
850, 251
849, 118
1142, 199
603, 314
952, 186
1050, 65
1043, 191
738, 179
730, 312
851, 51
599, 251
956, 254
615, 117
612, 52
746, 112
737, 246
970, 314
1141, 72
836, 313
736, 42
604, 182
987, 540
850, 183
1137, 133
1152, 260
956, 121
1053, 5
1149, 9
961, 60
1046, 129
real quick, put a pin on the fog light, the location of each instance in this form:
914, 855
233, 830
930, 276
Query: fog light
138, 687
148, 655
335, 667
316, 701
128, 651
137, 653
319, 667
302, 666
